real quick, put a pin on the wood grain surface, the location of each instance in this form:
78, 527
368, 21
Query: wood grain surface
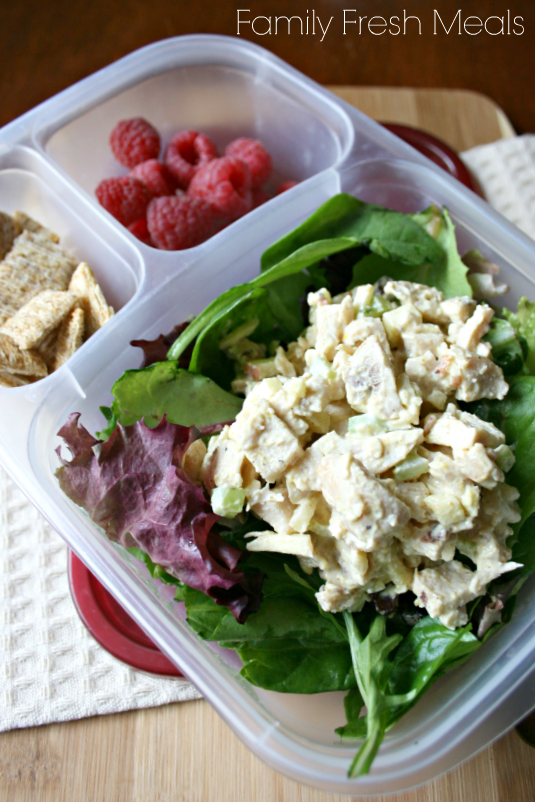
184, 752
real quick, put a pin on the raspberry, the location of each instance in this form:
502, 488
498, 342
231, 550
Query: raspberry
134, 141
181, 222
126, 198
140, 230
253, 153
285, 186
260, 196
226, 184
155, 176
186, 153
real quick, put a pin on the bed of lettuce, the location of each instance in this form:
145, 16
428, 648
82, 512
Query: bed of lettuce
263, 605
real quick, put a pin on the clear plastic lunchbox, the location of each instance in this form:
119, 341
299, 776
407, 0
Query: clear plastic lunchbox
51, 159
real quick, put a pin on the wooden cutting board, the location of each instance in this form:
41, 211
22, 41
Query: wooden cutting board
184, 752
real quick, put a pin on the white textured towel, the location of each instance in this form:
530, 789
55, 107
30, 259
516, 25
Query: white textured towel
52, 668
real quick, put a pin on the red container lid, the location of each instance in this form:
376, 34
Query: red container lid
434, 149
112, 627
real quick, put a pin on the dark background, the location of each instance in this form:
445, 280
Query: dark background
46, 46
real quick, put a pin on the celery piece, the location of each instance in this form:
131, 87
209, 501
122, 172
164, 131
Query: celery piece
378, 307
365, 425
322, 367
227, 500
411, 467
505, 459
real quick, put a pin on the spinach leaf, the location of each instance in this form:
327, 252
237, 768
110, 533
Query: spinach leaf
297, 665
165, 389
446, 272
386, 232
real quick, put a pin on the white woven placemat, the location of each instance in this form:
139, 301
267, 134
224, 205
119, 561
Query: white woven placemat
52, 668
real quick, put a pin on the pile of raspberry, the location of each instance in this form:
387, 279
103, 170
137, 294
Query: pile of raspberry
191, 193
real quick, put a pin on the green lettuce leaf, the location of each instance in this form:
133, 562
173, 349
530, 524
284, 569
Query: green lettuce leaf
523, 322
165, 389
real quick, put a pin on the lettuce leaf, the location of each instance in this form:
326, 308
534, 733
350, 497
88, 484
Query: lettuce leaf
133, 486
165, 389
523, 322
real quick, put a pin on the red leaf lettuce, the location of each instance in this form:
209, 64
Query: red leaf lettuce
133, 486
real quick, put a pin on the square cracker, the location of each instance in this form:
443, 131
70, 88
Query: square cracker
35, 263
22, 363
31, 324
8, 232
26, 223
70, 336
84, 284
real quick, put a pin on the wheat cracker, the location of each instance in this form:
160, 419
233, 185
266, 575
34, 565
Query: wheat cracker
70, 336
84, 284
41, 315
26, 223
13, 360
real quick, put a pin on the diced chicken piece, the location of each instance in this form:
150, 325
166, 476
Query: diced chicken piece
444, 592
381, 452
283, 365
471, 332
302, 479
359, 330
259, 369
401, 319
387, 566
367, 508
335, 599
467, 377
453, 499
412, 494
498, 509
460, 430
456, 310
370, 381
427, 300
285, 401
303, 514
490, 556
265, 439
362, 296
331, 320
434, 541
475, 464
225, 464
313, 551
272, 506
480, 378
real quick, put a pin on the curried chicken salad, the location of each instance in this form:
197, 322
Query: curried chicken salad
332, 463
350, 444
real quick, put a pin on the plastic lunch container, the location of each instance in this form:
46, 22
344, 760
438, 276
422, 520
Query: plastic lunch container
50, 162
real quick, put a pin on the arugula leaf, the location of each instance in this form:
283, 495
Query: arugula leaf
165, 389
389, 688
523, 322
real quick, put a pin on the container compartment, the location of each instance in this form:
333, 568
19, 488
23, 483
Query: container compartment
29, 184
297, 733
223, 96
